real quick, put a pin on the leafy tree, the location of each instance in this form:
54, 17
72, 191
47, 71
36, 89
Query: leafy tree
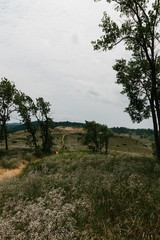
7, 93
90, 137
42, 111
105, 133
96, 136
28, 110
25, 108
138, 29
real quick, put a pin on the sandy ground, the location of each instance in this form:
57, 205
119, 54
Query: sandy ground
8, 173
70, 128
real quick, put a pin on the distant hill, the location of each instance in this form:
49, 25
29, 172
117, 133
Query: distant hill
144, 133
69, 124
14, 127
13, 124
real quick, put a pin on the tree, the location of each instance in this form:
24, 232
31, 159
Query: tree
96, 136
105, 134
140, 76
90, 137
28, 110
7, 94
25, 108
1, 133
42, 110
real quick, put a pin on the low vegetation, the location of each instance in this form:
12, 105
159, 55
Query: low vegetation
79, 194
13, 100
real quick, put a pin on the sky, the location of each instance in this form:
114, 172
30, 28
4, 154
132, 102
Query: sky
46, 50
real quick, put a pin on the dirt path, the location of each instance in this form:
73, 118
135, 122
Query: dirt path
63, 136
8, 173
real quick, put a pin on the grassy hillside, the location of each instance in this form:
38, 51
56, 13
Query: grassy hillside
19, 150
82, 195
143, 133
14, 127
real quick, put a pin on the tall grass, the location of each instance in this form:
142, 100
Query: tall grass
80, 195
14, 157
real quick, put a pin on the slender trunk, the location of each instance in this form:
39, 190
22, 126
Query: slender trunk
1, 132
155, 94
6, 137
156, 132
32, 132
96, 141
155, 108
106, 145
34, 139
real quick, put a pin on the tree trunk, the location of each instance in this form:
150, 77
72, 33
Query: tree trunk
155, 95
6, 137
1, 132
156, 132
106, 145
155, 110
34, 140
32, 132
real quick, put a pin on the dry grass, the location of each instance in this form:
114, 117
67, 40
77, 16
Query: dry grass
8, 173
92, 197
19, 151
80, 195
130, 146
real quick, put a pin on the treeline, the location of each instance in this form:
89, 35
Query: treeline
15, 127
143, 133
13, 100
69, 124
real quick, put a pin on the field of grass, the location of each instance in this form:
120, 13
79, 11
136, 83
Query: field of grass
80, 195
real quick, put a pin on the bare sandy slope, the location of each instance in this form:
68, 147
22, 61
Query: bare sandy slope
70, 129
8, 173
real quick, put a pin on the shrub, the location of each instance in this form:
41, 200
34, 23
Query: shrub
49, 218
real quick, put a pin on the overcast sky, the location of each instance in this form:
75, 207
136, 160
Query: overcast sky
45, 48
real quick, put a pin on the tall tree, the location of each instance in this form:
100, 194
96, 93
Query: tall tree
140, 76
42, 111
7, 93
96, 136
25, 108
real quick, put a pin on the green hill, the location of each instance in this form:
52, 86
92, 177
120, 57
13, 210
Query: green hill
143, 133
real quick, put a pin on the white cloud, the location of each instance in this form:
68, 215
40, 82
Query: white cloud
46, 50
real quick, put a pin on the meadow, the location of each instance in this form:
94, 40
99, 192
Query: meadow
78, 194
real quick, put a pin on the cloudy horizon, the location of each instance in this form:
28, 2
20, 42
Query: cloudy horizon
46, 51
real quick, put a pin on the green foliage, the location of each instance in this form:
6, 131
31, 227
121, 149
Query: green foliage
69, 124
7, 94
96, 136
42, 111
133, 77
25, 108
13, 100
143, 133
138, 29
